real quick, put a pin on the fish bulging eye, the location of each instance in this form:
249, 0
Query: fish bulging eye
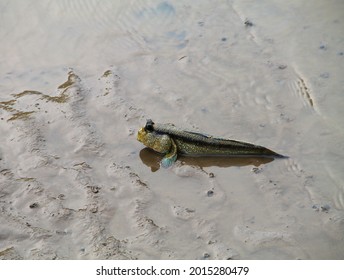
149, 125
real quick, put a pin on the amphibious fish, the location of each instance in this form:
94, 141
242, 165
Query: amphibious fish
171, 141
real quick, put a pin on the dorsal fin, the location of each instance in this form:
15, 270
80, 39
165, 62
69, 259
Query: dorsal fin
199, 134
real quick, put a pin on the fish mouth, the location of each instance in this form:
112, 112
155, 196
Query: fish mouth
141, 134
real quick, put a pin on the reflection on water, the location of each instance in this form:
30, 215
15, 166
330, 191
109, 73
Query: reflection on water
152, 159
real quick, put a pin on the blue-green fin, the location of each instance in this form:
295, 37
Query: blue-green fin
170, 158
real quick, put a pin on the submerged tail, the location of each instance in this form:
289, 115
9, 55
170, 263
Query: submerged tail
273, 154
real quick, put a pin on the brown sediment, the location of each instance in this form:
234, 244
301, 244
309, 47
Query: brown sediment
107, 73
69, 82
62, 98
27, 92
26, 179
21, 116
7, 105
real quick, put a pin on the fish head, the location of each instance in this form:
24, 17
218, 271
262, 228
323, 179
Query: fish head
158, 142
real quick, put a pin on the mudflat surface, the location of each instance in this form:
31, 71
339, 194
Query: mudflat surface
77, 80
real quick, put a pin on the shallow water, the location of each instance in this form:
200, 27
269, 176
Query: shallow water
78, 79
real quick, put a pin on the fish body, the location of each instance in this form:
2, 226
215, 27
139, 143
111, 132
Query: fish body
172, 141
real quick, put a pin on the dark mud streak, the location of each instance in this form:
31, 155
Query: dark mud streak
305, 92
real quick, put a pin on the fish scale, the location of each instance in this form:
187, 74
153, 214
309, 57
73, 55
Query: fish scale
198, 144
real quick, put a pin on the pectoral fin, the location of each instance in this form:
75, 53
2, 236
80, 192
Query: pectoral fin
171, 156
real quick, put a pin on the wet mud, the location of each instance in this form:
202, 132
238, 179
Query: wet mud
76, 184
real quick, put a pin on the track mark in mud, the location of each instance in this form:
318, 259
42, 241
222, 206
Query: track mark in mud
156, 236
10, 253
85, 205
133, 191
136, 179
301, 88
31, 130
28, 225
294, 168
183, 213
304, 91
207, 234
112, 81
70, 102
259, 239
95, 217
114, 96
113, 248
